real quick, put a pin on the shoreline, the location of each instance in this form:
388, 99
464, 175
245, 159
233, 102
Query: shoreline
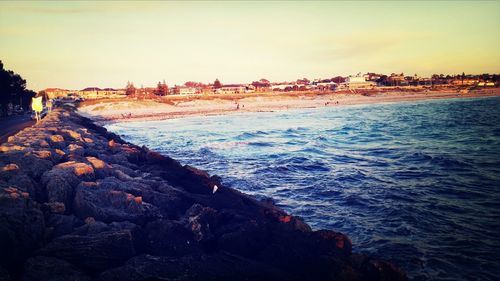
86, 205
113, 111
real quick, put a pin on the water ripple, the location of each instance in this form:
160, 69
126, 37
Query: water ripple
415, 183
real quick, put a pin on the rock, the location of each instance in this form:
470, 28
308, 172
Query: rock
171, 202
101, 168
76, 149
56, 141
62, 225
93, 252
55, 207
27, 162
21, 227
170, 238
107, 204
71, 134
51, 269
4, 275
374, 269
200, 220
14, 176
220, 266
63, 178
93, 227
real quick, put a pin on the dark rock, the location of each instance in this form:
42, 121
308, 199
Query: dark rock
171, 202
170, 238
51, 269
14, 176
107, 204
61, 180
374, 269
92, 252
21, 227
220, 266
4, 274
62, 224
101, 168
27, 162
93, 227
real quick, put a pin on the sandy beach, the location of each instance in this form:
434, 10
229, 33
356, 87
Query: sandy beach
124, 110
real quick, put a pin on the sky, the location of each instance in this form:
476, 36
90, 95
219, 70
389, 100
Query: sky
74, 45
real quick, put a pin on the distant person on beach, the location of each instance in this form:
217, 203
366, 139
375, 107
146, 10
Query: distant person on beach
48, 104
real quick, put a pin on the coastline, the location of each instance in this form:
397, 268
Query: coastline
146, 110
86, 205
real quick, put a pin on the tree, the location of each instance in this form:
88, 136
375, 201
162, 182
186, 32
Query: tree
161, 89
130, 89
217, 84
13, 89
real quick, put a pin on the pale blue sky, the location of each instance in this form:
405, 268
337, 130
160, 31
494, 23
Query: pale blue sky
79, 44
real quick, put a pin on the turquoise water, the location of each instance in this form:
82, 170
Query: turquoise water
414, 183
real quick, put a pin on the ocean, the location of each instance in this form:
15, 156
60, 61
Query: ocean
415, 183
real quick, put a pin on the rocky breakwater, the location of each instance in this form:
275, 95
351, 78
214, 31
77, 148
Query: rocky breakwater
79, 203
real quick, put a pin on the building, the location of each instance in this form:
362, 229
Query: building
184, 90
232, 89
397, 80
97, 93
465, 82
53, 93
356, 82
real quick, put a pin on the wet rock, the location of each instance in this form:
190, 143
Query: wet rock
21, 227
51, 269
374, 269
92, 252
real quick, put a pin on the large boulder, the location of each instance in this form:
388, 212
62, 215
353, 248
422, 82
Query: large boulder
58, 225
42, 268
219, 266
12, 175
61, 180
31, 164
107, 204
21, 227
170, 238
94, 252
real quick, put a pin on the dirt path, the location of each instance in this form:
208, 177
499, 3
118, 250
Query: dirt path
11, 125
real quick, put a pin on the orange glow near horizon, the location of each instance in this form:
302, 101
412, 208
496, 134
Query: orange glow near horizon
74, 45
